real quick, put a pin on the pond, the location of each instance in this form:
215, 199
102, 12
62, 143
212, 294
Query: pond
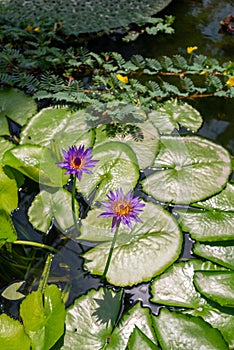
197, 23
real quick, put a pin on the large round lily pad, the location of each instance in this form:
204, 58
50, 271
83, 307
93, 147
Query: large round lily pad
189, 169
143, 138
117, 167
140, 254
59, 127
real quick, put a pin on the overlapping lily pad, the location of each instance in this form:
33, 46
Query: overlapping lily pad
12, 334
142, 137
215, 222
140, 254
36, 162
85, 330
57, 126
117, 167
15, 105
217, 286
173, 114
179, 331
49, 206
189, 169
220, 254
175, 287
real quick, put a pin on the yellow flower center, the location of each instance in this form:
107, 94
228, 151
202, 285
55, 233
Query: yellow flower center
76, 163
123, 208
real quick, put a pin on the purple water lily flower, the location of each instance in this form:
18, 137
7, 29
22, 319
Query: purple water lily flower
77, 161
122, 208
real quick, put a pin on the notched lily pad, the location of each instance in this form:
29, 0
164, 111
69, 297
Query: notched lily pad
189, 169
173, 114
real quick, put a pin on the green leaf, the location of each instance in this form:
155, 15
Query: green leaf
138, 340
8, 193
172, 114
208, 226
48, 205
175, 286
224, 322
117, 167
143, 138
43, 317
57, 125
178, 331
12, 334
217, 286
223, 201
15, 105
7, 230
84, 331
190, 169
4, 146
36, 162
220, 254
158, 230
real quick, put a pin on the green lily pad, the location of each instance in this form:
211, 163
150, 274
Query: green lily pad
224, 322
15, 105
173, 114
84, 330
175, 286
8, 192
59, 126
7, 229
117, 167
208, 226
132, 261
12, 334
220, 254
47, 206
43, 317
143, 138
36, 162
4, 146
223, 201
190, 169
217, 286
139, 340
178, 331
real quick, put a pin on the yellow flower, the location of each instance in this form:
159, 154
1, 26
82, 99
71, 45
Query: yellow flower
28, 28
230, 82
123, 79
190, 49
37, 29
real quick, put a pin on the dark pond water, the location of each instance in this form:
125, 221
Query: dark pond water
197, 23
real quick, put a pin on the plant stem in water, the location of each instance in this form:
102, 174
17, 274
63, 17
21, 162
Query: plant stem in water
110, 253
73, 178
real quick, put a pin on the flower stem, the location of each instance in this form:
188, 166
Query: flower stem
36, 244
73, 178
110, 252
